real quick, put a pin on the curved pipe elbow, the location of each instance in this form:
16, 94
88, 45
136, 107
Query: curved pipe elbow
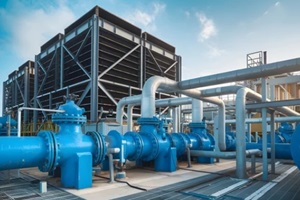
123, 102
149, 90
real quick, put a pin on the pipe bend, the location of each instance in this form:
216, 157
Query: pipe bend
149, 90
123, 102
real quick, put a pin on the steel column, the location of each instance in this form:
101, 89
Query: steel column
3, 98
272, 124
94, 69
264, 130
26, 92
142, 64
61, 64
35, 94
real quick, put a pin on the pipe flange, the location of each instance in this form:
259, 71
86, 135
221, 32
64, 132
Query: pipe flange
100, 148
198, 136
155, 146
51, 159
65, 118
181, 145
139, 145
186, 139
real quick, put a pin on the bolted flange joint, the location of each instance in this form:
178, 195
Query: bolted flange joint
154, 145
100, 147
139, 145
51, 160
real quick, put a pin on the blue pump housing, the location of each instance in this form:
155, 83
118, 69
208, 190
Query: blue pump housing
286, 130
4, 126
71, 150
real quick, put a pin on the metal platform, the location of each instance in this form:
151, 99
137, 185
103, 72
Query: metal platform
285, 184
209, 181
22, 187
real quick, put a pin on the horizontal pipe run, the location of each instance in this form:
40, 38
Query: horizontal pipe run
224, 155
21, 152
259, 120
282, 150
266, 70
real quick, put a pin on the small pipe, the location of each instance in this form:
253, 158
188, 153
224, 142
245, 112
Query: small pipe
252, 164
111, 168
225, 155
36, 109
188, 150
110, 152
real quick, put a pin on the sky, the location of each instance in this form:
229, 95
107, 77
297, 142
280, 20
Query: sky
212, 36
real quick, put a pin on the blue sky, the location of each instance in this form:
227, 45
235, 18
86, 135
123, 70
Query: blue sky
212, 36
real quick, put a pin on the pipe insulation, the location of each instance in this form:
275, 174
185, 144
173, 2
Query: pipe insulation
266, 70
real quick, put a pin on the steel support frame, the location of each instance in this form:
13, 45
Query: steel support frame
118, 61
26, 95
156, 63
3, 99
94, 69
264, 130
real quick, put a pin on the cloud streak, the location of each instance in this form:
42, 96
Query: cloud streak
147, 19
208, 28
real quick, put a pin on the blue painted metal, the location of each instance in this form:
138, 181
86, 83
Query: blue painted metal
71, 150
286, 130
205, 140
282, 150
278, 138
152, 143
4, 126
295, 146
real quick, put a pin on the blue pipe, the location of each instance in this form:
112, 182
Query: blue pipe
295, 146
282, 150
71, 150
4, 128
22, 152
152, 143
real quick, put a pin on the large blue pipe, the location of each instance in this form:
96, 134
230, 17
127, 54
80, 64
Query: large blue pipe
71, 150
22, 152
152, 143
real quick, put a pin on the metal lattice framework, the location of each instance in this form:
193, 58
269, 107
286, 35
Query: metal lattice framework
101, 58
18, 90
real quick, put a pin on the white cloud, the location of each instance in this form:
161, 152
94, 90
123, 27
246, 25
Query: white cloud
215, 51
208, 28
147, 19
277, 4
32, 27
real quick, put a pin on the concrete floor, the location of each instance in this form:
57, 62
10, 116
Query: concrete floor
145, 178
161, 182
